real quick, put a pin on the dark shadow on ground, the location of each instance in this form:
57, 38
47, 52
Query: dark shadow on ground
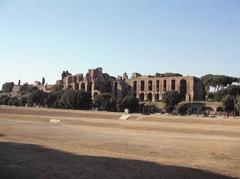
33, 161
2, 135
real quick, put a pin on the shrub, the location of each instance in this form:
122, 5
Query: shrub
228, 103
71, 99
7, 87
171, 99
105, 102
128, 102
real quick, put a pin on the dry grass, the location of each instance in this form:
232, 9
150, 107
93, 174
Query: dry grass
96, 145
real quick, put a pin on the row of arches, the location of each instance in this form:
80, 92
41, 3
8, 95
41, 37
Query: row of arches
183, 85
82, 88
76, 87
149, 96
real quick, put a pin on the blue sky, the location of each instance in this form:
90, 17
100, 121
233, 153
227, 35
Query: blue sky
43, 37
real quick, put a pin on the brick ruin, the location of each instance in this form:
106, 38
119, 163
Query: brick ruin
47, 88
95, 82
145, 88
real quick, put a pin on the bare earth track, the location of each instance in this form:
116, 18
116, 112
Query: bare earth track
97, 145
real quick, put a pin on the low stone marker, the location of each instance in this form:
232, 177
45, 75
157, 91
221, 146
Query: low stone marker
55, 121
125, 117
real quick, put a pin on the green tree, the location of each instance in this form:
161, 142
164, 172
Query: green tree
37, 97
228, 104
67, 99
171, 99
43, 81
24, 88
183, 109
23, 99
57, 88
192, 108
53, 98
65, 74
233, 90
83, 100
238, 104
217, 82
128, 102
4, 99
105, 102
7, 87
15, 101
169, 74
72, 99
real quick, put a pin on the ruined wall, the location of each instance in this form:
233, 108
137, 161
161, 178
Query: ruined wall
146, 88
92, 82
152, 88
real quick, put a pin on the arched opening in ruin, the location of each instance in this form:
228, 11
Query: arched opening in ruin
70, 79
76, 86
157, 85
116, 86
150, 85
134, 86
157, 97
149, 96
183, 88
135, 94
83, 87
141, 97
95, 94
173, 85
142, 85
75, 79
164, 85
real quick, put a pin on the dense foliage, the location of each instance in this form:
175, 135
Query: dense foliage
69, 99
128, 102
217, 82
107, 102
58, 98
238, 103
169, 74
193, 108
65, 74
7, 87
72, 99
220, 88
233, 90
171, 99
228, 103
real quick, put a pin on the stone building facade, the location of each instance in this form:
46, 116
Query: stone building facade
145, 88
152, 88
94, 82
16, 91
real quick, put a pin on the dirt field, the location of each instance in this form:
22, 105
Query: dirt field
97, 145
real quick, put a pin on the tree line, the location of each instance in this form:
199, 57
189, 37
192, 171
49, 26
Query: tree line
66, 99
219, 88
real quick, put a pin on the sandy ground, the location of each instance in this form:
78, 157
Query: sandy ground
97, 145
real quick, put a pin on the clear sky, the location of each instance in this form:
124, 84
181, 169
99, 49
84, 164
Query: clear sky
43, 37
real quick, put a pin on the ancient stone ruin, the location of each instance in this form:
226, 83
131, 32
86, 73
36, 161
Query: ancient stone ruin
144, 87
